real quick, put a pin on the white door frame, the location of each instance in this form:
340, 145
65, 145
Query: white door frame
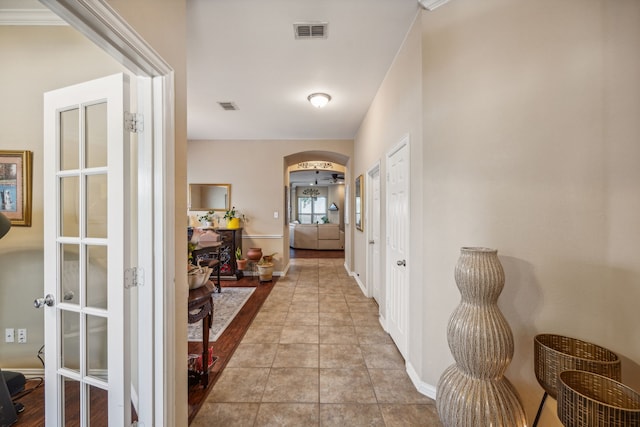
96, 20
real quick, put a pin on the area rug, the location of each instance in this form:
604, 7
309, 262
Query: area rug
226, 306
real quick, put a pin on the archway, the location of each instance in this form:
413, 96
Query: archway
328, 172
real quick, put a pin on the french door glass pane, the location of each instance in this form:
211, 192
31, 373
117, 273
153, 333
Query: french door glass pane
99, 416
97, 277
70, 281
70, 340
70, 215
71, 401
96, 135
69, 140
97, 347
97, 206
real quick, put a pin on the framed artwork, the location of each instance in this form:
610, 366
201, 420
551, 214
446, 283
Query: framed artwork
15, 186
358, 196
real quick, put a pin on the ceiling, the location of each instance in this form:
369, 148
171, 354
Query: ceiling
245, 52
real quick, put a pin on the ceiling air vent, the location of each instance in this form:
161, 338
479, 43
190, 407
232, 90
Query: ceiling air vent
310, 30
228, 106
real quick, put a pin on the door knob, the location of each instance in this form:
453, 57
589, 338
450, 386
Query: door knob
402, 263
371, 242
39, 302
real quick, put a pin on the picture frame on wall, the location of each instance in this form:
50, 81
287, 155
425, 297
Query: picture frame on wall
15, 186
358, 202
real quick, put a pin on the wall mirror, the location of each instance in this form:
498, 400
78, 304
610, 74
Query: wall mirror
208, 197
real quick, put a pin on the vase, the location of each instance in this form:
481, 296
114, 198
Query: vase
254, 254
233, 223
474, 390
265, 272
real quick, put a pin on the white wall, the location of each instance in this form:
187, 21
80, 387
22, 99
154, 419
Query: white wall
531, 147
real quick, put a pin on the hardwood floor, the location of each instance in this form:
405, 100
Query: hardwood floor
224, 347
310, 253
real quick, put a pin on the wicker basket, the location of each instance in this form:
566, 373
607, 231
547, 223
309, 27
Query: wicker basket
555, 353
586, 399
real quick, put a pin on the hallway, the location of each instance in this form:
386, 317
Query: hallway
316, 355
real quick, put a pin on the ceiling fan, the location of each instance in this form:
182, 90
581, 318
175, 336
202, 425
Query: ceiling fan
335, 179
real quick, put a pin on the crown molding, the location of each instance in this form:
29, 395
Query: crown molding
431, 4
29, 17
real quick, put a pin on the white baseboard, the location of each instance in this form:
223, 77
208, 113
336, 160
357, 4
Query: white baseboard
360, 284
422, 387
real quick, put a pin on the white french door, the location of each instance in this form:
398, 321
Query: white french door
86, 245
397, 289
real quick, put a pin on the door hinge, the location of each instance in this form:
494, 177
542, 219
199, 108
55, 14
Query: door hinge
133, 277
133, 122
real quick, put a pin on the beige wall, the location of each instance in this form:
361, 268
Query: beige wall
531, 147
396, 112
255, 171
34, 60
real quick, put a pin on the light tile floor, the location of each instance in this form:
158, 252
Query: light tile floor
316, 355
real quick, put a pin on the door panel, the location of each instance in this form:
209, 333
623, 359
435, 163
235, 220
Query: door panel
374, 203
86, 252
397, 296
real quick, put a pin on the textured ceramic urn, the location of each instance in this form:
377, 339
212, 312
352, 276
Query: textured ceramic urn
474, 391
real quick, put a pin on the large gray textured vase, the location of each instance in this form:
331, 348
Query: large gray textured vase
474, 390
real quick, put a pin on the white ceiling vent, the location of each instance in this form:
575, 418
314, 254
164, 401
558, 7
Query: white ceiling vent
228, 106
310, 30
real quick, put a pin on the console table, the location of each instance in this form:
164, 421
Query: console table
201, 299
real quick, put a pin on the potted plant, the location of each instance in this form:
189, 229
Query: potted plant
233, 220
206, 219
241, 262
265, 271
269, 258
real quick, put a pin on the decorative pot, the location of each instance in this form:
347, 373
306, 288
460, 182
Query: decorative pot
474, 391
242, 263
265, 271
198, 276
233, 223
254, 254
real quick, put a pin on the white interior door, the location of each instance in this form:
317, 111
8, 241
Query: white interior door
374, 262
397, 288
86, 206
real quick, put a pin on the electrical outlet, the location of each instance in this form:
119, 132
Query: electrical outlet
9, 335
22, 336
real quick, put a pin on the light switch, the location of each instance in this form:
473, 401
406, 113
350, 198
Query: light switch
275, 214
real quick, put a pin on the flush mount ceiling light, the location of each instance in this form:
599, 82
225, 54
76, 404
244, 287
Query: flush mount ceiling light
319, 99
